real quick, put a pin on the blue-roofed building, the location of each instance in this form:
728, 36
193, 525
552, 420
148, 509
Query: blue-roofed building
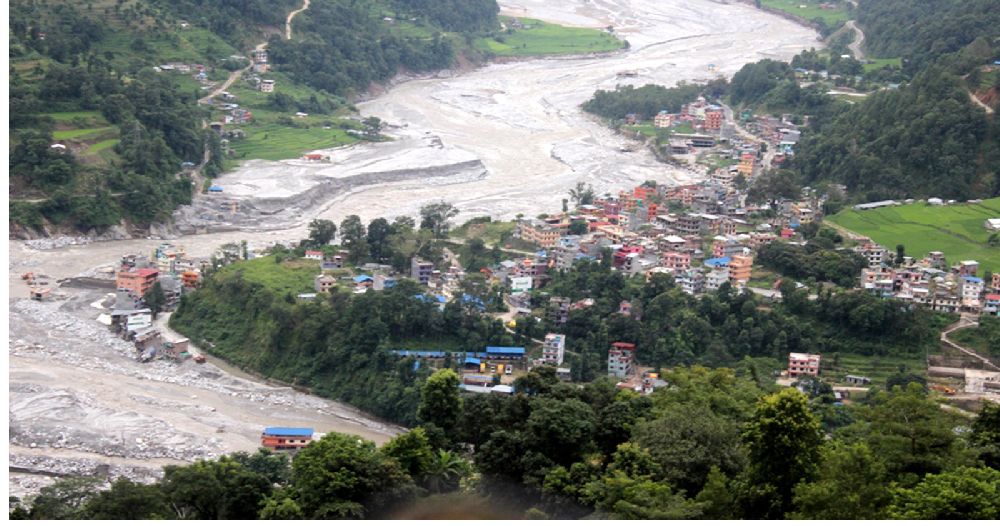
364, 278
505, 353
214, 188
286, 438
466, 299
718, 262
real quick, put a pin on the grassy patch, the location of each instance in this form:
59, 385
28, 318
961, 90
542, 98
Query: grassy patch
809, 10
878, 63
70, 115
287, 276
956, 230
488, 232
83, 134
879, 369
541, 38
102, 146
271, 141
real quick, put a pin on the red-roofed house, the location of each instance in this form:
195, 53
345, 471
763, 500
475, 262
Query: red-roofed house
314, 254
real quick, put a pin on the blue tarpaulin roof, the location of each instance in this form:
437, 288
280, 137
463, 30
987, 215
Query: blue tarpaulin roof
432, 297
362, 278
474, 361
214, 188
718, 262
505, 350
289, 431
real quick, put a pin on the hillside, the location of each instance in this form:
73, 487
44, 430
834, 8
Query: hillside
957, 230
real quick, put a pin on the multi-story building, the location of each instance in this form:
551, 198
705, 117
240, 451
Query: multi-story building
664, 119
267, 86
558, 309
713, 120
137, 281
324, 282
715, 278
190, 278
747, 164
991, 305
554, 348
727, 249
541, 233
421, 270
691, 282
801, 363
966, 268
677, 260
875, 254
288, 439
620, 359
740, 268
995, 285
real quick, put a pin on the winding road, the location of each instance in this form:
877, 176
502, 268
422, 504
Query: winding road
856, 45
288, 22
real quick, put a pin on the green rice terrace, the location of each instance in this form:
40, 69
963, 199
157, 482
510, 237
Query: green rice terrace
528, 37
957, 230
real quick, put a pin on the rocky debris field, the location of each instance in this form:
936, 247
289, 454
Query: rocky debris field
79, 400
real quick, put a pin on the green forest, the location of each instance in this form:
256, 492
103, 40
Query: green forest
719, 444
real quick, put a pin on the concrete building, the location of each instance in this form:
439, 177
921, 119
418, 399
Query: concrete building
715, 279
875, 254
800, 363
287, 439
713, 120
323, 283
740, 268
421, 270
267, 86
620, 359
558, 309
137, 281
554, 348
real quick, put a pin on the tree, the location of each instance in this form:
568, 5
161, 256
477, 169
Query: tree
986, 435
445, 471
578, 227
274, 467
910, 432
379, 232
347, 477
65, 499
688, 442
214, 490
352, 232
435, 216
373, 127
127, 500
900, 254
783, 442
321, 232
582, 194
439, 401
853, 484
964, 494
412, 452
155, 299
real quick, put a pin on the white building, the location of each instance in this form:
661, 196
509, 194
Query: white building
554, 349
267, 86
620, 359
715, 278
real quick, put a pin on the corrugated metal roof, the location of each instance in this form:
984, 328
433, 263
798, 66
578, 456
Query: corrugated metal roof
289, 431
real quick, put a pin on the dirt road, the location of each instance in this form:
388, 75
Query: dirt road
288, 22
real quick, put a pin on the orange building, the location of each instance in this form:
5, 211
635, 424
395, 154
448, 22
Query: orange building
190, 279
137, 281
739, 269
286, 438
713, 120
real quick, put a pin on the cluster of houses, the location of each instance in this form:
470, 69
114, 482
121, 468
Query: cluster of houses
930, 281
645, 239
135, 276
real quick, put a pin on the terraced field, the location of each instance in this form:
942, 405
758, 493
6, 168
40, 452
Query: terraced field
956, 230
273, 142
539, 38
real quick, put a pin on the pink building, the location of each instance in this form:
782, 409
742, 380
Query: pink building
677, 260
800, 363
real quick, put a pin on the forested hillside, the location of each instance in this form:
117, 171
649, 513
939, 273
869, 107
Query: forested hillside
925, 139
923, 30
719, 444
97, 135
